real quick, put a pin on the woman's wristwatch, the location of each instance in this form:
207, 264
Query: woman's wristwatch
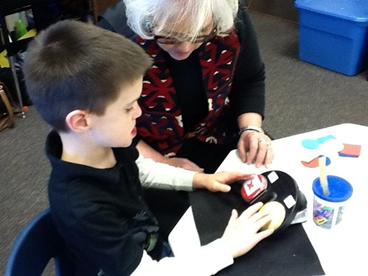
251, 128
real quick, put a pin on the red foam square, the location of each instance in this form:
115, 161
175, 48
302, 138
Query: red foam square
353, 150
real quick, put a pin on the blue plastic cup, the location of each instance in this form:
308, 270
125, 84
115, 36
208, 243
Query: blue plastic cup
328, 210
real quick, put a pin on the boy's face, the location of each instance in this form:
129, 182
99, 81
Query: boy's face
116, 128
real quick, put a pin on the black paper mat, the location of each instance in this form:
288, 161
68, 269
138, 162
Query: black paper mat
288, 253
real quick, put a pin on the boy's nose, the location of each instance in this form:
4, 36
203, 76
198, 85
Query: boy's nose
138, 110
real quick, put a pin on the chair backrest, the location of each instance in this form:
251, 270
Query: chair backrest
35, 246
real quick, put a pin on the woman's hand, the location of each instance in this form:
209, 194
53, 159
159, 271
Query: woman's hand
182, 163
242, 233
218, 182
148, 152
255, 147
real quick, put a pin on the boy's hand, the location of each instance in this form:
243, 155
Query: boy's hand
241, 233
218, 182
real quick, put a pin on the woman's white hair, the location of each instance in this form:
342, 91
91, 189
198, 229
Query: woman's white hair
149, 17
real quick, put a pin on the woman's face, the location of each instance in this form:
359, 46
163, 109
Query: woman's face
181, 50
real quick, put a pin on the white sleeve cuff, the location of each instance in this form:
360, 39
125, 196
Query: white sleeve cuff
204, 261
162, 176
216, 255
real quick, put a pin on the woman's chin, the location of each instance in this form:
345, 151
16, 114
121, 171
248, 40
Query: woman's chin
180, 55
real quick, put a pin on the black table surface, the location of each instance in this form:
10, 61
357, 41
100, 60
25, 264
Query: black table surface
286, 253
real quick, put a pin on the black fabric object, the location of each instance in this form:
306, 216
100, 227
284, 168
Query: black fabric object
167, 206
287, 253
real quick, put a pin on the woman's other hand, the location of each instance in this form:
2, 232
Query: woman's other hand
255, 147
183, 163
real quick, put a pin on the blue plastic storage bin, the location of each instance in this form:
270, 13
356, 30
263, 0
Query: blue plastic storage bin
333, 34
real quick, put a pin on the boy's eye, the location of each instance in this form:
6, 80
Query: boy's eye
128, 109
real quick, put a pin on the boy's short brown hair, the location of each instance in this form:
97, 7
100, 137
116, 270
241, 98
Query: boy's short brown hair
73, 65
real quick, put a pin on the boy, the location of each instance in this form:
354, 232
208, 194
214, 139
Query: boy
85, 82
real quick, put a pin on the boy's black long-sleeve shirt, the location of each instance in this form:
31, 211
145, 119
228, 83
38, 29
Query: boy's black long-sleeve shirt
106, 205
105, 223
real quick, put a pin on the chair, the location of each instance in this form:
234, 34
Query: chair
35, 246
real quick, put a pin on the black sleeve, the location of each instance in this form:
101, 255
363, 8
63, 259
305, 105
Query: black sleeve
104, 24
248, 88
114, 19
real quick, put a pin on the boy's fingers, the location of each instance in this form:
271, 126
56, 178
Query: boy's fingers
262, 222
222, 188
264, 234
244, 176
230, 177
259, 215
252, 210
233, 217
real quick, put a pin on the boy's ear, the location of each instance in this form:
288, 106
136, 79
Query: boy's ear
77, 120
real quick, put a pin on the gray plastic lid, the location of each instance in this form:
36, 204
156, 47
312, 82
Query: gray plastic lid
353, 10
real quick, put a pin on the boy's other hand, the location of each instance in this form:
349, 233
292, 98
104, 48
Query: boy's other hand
218, 182
242, 233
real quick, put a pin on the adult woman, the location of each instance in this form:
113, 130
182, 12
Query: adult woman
205, 93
